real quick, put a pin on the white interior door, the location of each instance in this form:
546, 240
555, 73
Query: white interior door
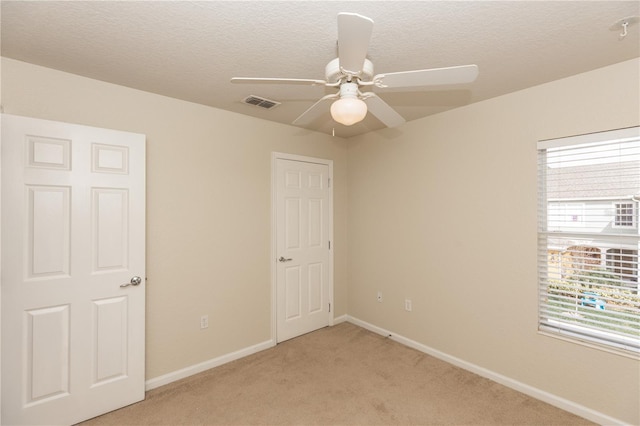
73, 234
303, 209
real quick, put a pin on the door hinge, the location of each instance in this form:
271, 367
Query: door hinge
329, 307
329, 182
329, 245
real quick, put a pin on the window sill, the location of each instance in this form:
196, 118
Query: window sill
594, 343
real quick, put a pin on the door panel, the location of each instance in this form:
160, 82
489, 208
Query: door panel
315, 287
48, 153
110, 343
73, 209
315, 223
303, 253
47, 348
110, 214
48, 237
292, 223
293, 293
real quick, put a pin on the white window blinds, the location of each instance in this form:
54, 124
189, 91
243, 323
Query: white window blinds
588, 240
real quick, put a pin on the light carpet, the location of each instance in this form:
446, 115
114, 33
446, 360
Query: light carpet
340, 375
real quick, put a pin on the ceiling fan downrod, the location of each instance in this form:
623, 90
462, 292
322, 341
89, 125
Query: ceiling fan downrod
334, 73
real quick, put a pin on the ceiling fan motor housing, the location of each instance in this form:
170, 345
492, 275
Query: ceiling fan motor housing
349, 90
333, 73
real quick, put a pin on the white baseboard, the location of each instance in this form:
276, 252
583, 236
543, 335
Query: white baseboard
341, 318
206, 365
547, 397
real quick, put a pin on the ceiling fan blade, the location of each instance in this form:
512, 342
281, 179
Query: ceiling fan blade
315, 111
354, 33
299, 81
429, 77
382, 110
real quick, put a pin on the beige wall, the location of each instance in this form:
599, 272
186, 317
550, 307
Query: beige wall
208, 207
443, 211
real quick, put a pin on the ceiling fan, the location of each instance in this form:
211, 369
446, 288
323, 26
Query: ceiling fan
351, 70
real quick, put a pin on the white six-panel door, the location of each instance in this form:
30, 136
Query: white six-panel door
73, 236
302, 253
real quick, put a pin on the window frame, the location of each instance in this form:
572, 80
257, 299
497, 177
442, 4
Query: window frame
617, 213
551, 322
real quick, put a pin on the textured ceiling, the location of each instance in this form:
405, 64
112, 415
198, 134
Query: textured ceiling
190, 50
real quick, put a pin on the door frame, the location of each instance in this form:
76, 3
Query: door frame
274, 249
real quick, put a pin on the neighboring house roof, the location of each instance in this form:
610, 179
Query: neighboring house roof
614, 180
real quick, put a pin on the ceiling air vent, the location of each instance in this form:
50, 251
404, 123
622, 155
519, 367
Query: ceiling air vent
260, 102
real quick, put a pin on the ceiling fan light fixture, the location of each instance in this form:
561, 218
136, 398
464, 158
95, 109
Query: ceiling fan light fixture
348, 109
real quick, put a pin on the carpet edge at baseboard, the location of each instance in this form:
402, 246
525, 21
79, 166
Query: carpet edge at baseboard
165, 379
183, 373
549, 398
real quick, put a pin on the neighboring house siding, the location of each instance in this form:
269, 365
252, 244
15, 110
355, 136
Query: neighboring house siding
582, 204
586, 215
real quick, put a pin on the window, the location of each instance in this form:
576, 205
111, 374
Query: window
587, 251
623, 262
624, 215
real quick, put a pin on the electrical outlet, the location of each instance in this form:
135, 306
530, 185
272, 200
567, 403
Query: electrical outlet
379, 296
407, 305
204, 321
